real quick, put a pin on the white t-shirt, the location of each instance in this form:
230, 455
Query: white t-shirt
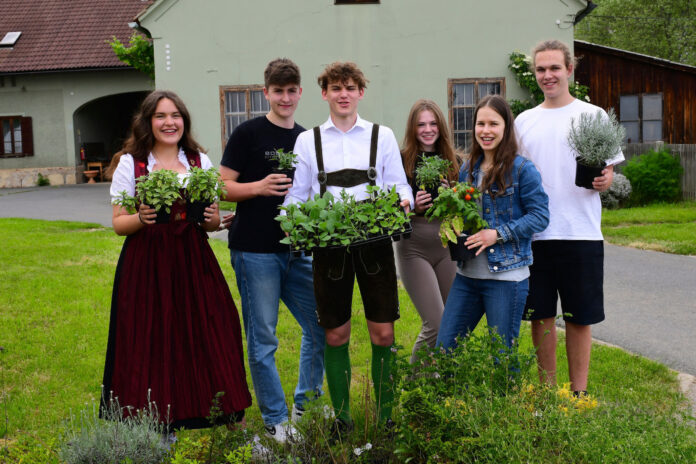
124, 175
575, 212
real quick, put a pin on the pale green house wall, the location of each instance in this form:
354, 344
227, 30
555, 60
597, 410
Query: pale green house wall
408, 49
51, 100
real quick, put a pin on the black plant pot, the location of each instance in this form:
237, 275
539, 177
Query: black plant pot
288, 172
584, 174
433, 191
162, 216
459, 251
195, 210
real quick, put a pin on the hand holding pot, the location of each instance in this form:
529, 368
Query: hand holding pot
274, 185
481, 240
604, 181
146, 214
423, 201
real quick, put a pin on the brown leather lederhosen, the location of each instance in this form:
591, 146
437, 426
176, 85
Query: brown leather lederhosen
346, 177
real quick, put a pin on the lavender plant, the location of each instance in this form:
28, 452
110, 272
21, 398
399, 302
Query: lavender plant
596, 138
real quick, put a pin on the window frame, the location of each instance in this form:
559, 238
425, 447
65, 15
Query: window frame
26, 130
356, 2
641, 120
247, 89
476, 81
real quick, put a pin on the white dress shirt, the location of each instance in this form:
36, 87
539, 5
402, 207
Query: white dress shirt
347, 150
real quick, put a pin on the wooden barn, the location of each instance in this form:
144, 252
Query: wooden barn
655, 99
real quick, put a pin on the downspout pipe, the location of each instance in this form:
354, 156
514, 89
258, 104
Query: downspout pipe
135, 25
587, 10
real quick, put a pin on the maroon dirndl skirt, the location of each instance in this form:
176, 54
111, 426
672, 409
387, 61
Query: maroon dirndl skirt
174, 329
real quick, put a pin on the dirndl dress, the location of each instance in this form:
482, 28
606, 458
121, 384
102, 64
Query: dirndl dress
174, 333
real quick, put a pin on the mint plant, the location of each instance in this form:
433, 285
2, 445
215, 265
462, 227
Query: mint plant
326, 221
286, 161
159, 189
204, 185
126, 202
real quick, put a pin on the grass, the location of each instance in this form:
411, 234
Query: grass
55, 288
669, 228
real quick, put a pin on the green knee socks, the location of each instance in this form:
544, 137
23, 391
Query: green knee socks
337, 365
381, 377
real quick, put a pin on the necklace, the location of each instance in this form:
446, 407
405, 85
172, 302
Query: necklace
171, 166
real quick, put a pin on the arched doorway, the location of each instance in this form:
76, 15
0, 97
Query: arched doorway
101, 126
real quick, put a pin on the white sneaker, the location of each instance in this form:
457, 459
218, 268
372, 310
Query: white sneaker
297, 412
281, 432
258, 451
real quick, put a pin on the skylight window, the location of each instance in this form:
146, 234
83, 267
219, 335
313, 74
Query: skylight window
10, 39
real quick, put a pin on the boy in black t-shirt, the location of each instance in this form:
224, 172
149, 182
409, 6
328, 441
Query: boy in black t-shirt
266, 271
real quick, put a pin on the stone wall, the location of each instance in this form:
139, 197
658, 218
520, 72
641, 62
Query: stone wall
27, 177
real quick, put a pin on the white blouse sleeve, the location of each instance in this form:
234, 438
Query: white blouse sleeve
123, 178
205, 161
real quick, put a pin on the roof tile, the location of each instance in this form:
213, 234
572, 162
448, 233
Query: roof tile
60, 35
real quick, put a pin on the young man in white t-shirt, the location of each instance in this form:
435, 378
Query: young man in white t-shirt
569, 254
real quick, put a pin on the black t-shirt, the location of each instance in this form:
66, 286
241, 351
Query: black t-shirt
248, 151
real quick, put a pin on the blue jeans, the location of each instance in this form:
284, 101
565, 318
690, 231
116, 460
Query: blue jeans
263, 280
469, 299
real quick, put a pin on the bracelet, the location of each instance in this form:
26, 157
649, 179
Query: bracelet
141, 219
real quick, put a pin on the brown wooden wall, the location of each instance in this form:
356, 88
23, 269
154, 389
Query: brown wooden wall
610, 73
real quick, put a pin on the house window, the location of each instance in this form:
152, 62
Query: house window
463, 95
641, 116
238, 104
17, 137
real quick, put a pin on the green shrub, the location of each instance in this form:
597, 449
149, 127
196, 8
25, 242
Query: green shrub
42, 181
618, 193
655, 176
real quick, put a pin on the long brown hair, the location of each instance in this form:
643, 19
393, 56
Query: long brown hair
141, 140
506, 151
443, 145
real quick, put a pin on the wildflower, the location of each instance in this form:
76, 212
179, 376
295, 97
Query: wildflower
587, 98
357, 451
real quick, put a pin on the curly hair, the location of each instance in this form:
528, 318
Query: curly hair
342, 72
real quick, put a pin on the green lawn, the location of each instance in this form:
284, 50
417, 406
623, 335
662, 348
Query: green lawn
670, 228
55, 289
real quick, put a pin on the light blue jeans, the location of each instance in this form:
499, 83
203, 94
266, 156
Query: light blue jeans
263, 280
469, 299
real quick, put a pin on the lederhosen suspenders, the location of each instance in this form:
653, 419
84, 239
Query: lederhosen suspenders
346, 177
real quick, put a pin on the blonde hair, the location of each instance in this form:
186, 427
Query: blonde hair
554, 45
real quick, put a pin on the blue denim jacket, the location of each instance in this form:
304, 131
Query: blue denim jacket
518, 213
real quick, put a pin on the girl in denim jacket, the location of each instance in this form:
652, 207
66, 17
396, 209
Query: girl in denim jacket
514, 204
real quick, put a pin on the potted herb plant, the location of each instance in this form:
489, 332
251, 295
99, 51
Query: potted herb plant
430, 172
159, 190
285, 162
325, 222
457, 209
595, 139
126, 202
203, 187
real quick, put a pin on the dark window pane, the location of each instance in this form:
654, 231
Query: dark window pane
259, 104
628, 107
462, 94
652, 106
463, 118
652, 131
632, 132
17, 136
462, 140
6, 136
492, 88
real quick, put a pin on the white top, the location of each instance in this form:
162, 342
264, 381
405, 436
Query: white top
575, 212
347, 150
124, 175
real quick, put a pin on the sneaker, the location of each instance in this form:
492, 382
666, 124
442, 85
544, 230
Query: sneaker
297, 412
340, 429
258, 451
282, 432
